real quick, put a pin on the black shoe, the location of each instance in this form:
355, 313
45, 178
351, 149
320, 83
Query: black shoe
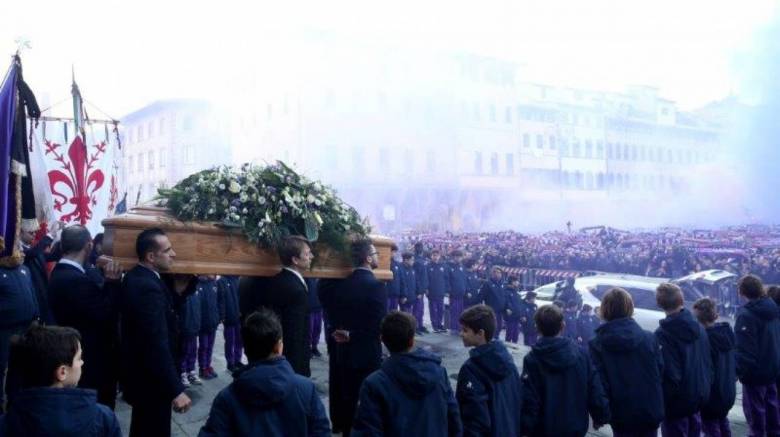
424, 330
316, 352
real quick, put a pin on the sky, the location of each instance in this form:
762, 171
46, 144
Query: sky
128, 54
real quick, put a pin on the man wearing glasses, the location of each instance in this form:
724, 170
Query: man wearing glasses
354, 307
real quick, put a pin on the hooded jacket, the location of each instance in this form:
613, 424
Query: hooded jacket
409, 395
209, 306
560, 388
724, 384
757, 331
267, 398
688, 372
58, 412
492, 292
489, 393
229, 310
189, 315
630, 364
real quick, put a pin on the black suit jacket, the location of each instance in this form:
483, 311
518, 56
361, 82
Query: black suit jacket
148, 331
356, 304
287, 296
77, 301
35, 260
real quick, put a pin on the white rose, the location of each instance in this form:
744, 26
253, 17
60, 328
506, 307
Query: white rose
261, 200
234, 187
221, 186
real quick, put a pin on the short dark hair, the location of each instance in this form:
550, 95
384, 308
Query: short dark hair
398, 331
98, 239
291, 247
549, 320
147, 242
616, 304
668, 296
40, 351
751, 287
260, 333
705, 310
407, 255
480, 317
456, 253
361, 249
74, 239
774, 292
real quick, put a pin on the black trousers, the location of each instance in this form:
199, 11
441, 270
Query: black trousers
151, 418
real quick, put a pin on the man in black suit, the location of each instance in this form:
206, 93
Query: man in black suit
286, 294
148, 325
79, 302
35, 258
354, 308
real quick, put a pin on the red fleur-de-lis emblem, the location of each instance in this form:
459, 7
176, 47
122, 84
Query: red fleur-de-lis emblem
75, 184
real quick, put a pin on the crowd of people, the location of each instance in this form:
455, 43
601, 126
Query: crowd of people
94, 332
665, 253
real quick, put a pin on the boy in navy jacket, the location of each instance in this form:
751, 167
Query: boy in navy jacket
209, 321
458, 288
527, 318
724, 384
488, 390
227, 287
587, 322
408, 283
411, 393
189, 329
560, 384
393, 286
266, 397
50, 404
514, 307
687, 373
757, 331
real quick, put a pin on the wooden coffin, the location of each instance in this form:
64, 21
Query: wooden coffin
208, 248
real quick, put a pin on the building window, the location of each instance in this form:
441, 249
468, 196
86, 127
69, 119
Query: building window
539, 141
588, 149
625, 152
618, 151
510, 164
150, 159
162, 154
609, 150
493, 113
552, 142
575, 148
140, 162
478, 162
564, 147
150, 130
494, 164
633, 152
508, 114
526, 140
578, 182
599, 149
600, 181
589, 181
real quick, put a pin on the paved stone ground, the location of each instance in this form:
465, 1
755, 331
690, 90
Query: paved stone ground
449, 347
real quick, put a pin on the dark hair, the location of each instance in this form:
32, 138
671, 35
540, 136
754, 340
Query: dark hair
291, 247
549, 320
361, 249
147, 242
407, 255
40, 351
435, 252
705, 310
751, 287
479, 317
456, 253
98, 239
74, 238
260, 333
469, 263
668, 296
774, 292
394, 247
616, 304
398, 331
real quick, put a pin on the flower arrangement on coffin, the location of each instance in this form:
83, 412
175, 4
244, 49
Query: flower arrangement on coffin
267, 203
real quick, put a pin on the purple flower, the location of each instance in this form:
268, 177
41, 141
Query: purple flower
284, 210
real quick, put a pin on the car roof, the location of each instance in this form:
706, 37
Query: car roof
707, 275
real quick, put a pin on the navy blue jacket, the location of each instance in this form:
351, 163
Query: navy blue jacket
527, 312
394, 285
688, 369
630, 363
314, 298
493, 294
209, 305
60, 412
560, 387
458, 281
189, 315
409, 395
473, 285
228, 300
408, 283
421, 273
18, 305
586, 327
757, 329
724, 384
438, 279
267, 398
488, 392
572, 329
514, 303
